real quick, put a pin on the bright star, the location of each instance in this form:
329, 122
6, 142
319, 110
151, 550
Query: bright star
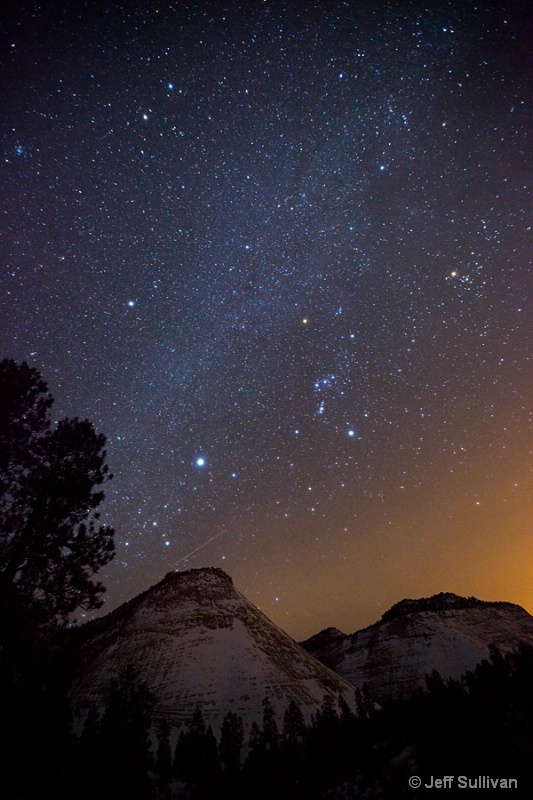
200, 461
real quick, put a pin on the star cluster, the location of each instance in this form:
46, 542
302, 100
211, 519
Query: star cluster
280, 255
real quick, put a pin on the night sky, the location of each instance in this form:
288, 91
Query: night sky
279, 254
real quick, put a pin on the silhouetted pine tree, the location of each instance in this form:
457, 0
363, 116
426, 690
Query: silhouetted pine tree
364, 706
231, 742
326, 717
125, 753
51, 546
346, 715
254, 739
293, 724
51, 543
323, 742
270, 734
196, 757
261, 769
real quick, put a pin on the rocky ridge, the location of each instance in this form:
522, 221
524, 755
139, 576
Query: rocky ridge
446, 632
198, 642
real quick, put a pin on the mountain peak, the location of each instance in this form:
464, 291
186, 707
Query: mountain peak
199, 574
445, 632
444, 601
198, 642
325, 637
202, 577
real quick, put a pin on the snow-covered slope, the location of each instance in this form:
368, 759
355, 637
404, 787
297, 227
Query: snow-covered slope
446, 632
197, 641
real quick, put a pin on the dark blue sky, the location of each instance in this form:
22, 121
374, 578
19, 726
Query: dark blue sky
291, 241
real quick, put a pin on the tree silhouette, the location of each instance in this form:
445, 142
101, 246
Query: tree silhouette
51, 543
270, 735
125, 753
231, 742
293, 724
196, 757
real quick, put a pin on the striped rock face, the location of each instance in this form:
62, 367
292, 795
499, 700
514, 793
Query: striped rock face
198, 642
447, 633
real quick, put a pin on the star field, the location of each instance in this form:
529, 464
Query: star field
280, 255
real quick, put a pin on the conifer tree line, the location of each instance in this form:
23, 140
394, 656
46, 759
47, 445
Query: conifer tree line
479, 725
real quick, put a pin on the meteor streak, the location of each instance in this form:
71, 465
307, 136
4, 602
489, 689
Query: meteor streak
212, 539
